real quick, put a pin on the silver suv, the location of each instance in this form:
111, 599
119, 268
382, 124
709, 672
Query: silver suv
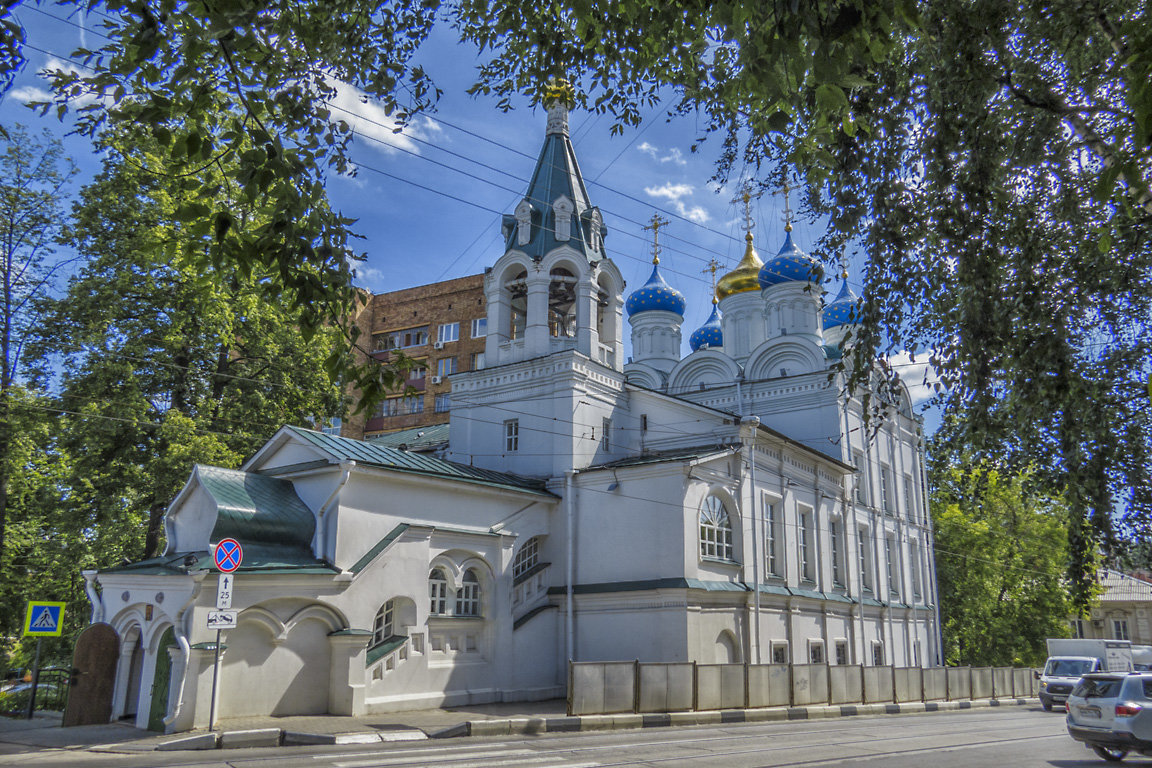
1111, 712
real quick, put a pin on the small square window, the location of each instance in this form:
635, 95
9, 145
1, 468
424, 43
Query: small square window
479, 327
477, 360
779, 653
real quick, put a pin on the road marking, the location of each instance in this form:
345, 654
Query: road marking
394, 758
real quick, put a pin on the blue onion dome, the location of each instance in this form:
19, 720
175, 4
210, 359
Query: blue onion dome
709, 334
844, 309
655, 294
790, 265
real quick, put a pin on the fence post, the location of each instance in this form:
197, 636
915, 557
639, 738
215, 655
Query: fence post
570, 678
695, 687
636, 686
747, 685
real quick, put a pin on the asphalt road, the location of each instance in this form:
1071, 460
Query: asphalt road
1005, 736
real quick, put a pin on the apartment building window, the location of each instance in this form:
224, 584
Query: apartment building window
804, 534
779, 653
446, 366
841, 652
890, 559
443, 403
836, 551
862, 551
512, 435
1078, 629
479, 327
332, 426
816, 651
917, 575
477, 361
771, 539
417, 372
412, 404
715, 530
909, 510
885, 489
1120, 629
409, 337
448, 332
606, 434
860, 489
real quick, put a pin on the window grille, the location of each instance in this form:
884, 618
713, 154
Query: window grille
715, 530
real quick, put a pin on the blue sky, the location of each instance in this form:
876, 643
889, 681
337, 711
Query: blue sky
428, 201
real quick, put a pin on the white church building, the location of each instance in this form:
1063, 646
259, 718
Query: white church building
728, 505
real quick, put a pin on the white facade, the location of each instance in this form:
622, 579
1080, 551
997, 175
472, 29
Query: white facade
727, 506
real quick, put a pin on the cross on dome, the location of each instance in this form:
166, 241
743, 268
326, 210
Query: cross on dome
787, 217
655, 225
713, 265
746, 196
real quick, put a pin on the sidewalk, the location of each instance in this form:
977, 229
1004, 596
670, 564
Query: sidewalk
525, 718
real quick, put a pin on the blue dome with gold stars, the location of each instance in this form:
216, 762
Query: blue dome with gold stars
709, 334
655, 294
790, 265
844, 309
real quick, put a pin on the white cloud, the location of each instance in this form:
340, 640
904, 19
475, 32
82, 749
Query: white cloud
673, 155
917, 375
28, 94
674, 193
368, 119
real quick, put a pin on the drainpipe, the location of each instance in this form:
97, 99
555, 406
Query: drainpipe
571, 565
753, 423
181, 632
346, 468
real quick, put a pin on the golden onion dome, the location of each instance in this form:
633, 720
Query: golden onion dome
746, 275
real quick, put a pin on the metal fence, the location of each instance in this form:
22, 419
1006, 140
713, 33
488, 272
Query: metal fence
51, 693
598, 688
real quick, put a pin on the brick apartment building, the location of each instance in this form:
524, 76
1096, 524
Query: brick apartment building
443, 327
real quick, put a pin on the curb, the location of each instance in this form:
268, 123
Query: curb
534, 726
629, 721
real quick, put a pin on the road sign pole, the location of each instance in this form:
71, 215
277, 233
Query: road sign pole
35, 680
215, 678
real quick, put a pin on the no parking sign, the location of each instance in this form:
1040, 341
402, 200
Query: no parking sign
228, 555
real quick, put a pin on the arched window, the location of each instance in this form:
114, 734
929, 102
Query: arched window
468, 596
438, 590
517, 289
527, 558
562, 303
715, 530
385, 625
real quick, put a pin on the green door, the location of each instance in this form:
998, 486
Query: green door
160, 682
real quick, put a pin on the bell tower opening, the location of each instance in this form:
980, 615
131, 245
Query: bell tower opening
562, 303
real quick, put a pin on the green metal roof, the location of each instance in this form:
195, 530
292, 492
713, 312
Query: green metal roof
257, 509
418, 439
380, 546
370, 453
657, 457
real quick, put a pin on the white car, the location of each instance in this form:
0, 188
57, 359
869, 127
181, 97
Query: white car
1111, 712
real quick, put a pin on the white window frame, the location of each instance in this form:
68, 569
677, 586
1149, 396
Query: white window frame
842, 657
863, 556
527, 558
448, 332
511, 435
836, 552
771, 539
804, 542
885, 500
438, 592
384, 625
779, 652
893, 569
479, 327
477, 360
606, 434
1120, 629
443, 403
715, 529
468, 595
860, 489
877, 653
816, 653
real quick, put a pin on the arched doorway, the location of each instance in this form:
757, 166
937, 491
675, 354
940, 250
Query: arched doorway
161, 681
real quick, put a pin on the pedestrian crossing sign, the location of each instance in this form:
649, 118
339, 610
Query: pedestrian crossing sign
44, 619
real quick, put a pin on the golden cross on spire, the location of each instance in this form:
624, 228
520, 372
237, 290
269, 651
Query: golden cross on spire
784, 190
655, 225
843, 264
745, 197
713, 265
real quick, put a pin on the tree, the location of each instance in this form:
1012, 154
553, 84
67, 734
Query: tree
33, 175
1001, 550
990, 160
165, 364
